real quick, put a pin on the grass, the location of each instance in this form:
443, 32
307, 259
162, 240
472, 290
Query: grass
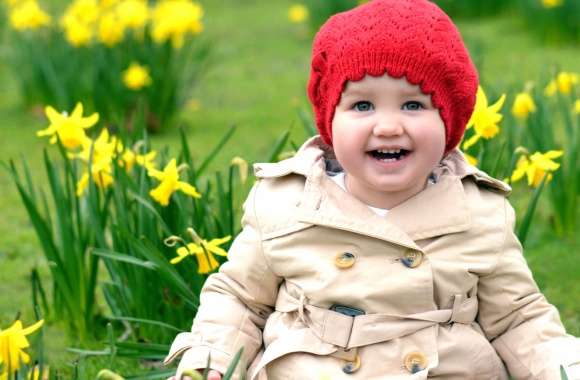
259, 78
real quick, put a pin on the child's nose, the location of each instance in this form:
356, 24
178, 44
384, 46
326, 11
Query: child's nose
388, 125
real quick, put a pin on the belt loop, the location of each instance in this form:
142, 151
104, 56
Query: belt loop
457, 301
301, 302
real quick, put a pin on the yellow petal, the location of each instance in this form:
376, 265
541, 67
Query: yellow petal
497, 105
53, 116
188, 189
77, 113
30, 329
89, 121
471, 141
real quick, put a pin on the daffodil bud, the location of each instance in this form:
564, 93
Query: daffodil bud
107, 374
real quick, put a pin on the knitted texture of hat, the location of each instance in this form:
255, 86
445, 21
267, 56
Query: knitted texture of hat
410, 38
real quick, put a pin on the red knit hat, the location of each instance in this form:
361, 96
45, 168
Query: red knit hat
411, 38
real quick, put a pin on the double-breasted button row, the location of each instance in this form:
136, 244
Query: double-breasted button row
344, 260
412, 258
415, 362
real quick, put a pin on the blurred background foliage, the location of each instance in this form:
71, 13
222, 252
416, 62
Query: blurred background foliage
247, 67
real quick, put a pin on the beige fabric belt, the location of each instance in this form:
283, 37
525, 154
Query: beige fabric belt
348, 332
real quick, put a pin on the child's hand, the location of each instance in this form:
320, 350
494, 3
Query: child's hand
212, 375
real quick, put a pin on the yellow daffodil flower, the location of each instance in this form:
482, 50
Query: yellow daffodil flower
133, 14
130, 158
107, 374
103, 150
576, 108
84, 11
136, 77
523, 106
298, 13
564, 83
551, 3
12, 344
78, 21
70, 129
28, 15
484, 119
242, 167
107, 4
110, 30
174, 19
77, 33
170, 183
536, 166
204, 253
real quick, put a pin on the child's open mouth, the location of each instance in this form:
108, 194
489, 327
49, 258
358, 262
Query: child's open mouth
390, 155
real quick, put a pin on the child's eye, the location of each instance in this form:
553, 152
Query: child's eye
363, 106
413, 106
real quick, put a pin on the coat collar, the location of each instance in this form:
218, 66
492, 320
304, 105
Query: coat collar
441, 208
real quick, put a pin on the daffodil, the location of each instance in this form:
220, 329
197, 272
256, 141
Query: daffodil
536, 166
12, 344
85, 11
133, 14
242, 167
576, 107
79, 20
523, 105
173, 20
78, 33
129, 158
28, 15
136, 77
484, 119
298, 13
170, 183
564, 83
110, 30
551, 3
98, 154
70, 129
204, 252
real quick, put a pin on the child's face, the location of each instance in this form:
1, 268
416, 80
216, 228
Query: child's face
379, 114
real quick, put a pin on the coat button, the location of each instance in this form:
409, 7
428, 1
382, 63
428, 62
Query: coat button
412, 258
415, 362
353, 366
344, 260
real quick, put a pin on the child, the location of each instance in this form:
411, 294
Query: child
377, 252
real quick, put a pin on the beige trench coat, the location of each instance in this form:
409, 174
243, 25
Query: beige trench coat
441, 280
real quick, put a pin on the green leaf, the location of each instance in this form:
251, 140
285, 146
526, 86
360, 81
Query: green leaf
527, 220
279, 145
109, 254
147, 321
215, 150
232, 367
563, 373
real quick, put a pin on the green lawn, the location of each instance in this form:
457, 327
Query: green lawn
258, 80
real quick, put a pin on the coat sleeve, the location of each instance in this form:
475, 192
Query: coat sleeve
234, 304
522, 326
